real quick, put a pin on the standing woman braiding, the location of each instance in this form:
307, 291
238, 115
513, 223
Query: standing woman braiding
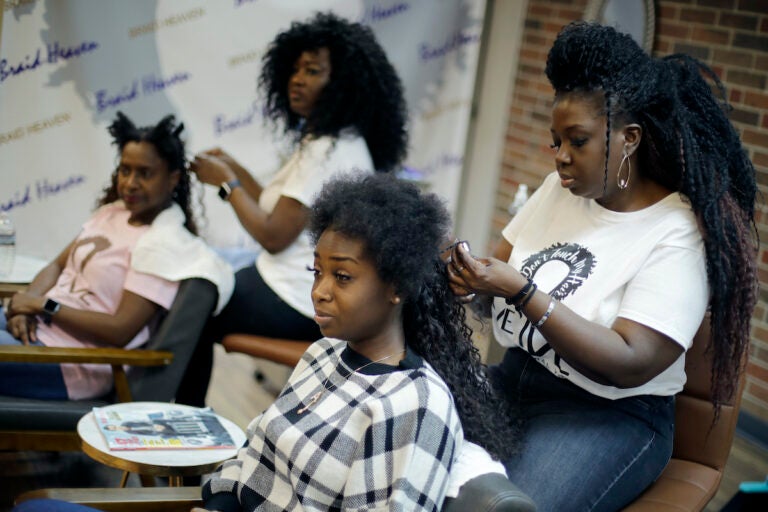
605, 275
331, 84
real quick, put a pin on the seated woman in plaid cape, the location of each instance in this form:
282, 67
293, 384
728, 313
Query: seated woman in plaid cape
374, 415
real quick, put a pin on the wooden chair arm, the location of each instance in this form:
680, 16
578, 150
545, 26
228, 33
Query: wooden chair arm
117, 357
113, 356
165, 499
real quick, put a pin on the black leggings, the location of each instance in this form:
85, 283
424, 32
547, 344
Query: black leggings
253, 309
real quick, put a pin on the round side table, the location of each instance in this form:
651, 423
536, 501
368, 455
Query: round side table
174, 463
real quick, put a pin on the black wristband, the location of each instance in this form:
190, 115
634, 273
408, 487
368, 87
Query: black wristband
527, 299
511, 301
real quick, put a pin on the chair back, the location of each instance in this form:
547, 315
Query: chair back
179, 333
694, 440
700, 448
277, 350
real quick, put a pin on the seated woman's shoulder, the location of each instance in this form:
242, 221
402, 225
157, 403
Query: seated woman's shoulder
325, 347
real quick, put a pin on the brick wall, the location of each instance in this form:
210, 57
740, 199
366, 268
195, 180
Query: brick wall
729, 35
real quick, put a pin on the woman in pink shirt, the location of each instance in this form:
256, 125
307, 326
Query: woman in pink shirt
90, 296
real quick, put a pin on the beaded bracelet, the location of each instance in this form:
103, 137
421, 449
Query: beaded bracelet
546, 315
519, 295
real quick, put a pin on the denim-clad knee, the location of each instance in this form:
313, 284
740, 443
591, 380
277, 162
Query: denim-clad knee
580, 451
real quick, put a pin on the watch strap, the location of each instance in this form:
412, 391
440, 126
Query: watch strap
226, 188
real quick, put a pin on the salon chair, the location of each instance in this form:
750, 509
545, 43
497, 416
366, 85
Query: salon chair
51, 425
701, 446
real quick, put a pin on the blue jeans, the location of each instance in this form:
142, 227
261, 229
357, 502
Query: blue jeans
48, 505
29, 380
580, 452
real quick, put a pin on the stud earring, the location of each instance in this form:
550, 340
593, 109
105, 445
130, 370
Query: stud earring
623, 183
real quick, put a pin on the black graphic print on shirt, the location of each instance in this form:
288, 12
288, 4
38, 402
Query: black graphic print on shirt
574, 263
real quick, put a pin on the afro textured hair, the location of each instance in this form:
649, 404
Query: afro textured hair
402, 231
364, 90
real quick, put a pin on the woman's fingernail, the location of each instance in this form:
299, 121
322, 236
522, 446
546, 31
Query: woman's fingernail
465, 246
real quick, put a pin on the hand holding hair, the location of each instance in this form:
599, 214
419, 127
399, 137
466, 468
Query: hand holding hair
224, 157
211, 169
487, 276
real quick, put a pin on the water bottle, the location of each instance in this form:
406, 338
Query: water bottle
7, 244
521, 196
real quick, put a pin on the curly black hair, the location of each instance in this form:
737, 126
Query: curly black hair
165, 136
402, 230
688, 145
364, 90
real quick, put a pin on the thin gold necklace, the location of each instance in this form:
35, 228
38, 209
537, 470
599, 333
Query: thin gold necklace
314, 398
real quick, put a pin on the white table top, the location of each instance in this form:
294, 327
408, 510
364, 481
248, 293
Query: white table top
25, 268
158, 462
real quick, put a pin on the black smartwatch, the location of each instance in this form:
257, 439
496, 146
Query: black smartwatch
226, 188
50, 308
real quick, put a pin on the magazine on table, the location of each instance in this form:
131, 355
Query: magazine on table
162, 429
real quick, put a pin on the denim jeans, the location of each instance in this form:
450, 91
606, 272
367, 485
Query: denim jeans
49, 505
581, 452
29, 380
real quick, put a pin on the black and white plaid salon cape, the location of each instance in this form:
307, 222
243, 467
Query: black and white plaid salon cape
383, 438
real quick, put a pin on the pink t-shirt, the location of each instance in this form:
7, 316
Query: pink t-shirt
96, 273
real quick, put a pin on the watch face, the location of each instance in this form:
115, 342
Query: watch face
224, 191
51, 306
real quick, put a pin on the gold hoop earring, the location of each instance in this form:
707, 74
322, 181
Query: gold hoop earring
621, 182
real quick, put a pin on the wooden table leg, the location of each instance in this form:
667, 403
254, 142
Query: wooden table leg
124, 478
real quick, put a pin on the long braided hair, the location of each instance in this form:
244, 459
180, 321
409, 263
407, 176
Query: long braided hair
402, 230
165, 137
688, 145
364, 90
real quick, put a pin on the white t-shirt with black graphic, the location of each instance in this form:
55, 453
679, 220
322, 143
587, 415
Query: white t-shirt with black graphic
647, 266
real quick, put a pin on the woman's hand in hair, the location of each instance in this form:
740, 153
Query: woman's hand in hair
488, 276
205, 165
225, 157
211, 169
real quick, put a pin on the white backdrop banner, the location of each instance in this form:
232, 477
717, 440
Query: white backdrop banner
67, 66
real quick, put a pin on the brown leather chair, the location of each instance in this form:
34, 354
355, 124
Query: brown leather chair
287, 352
692, 477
